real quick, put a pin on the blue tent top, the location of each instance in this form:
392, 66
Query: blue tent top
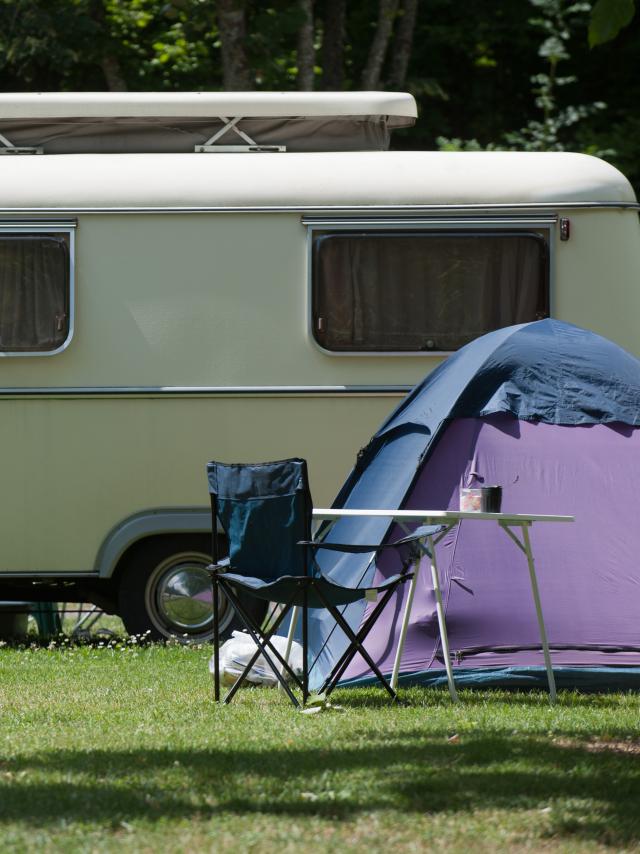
547, 371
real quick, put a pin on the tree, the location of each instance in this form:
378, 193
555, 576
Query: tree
92, 45
108, 55
373, 69
557, 20
233, 36
402, 44
608, 17
333, 38
306, 47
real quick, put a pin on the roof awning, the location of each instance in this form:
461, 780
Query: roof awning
167, 122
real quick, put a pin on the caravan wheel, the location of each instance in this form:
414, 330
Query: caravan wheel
165, 591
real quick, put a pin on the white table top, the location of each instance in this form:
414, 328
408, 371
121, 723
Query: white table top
439, 515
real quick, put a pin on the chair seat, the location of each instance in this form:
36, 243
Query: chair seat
291, 588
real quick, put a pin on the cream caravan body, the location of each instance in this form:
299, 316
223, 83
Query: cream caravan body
201, 274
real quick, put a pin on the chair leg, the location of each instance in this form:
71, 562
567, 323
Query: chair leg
349, 652
216, 640
357, 643
305, 648
358, 647
262, 647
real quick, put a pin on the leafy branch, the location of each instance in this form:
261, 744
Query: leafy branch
556, 20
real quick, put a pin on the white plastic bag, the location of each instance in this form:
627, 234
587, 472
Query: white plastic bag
236, 653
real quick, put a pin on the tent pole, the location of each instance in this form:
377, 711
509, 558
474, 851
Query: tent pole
536, 599
441, 621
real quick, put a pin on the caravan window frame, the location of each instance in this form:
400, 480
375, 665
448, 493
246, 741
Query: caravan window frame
48, 227
316, 226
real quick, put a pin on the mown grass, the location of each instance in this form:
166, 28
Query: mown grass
119, 747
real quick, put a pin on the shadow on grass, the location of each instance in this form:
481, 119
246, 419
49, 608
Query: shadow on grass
591, 794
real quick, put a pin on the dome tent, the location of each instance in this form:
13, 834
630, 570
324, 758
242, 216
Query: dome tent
552, 413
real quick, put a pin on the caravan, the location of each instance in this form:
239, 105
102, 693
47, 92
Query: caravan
248, 276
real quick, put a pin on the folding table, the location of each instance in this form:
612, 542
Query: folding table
450, 518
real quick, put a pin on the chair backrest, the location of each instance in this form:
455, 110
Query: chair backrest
265, 509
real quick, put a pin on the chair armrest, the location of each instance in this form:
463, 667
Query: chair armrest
420, 533
416, 536
410, 549
371, 592
219, 568
339, 547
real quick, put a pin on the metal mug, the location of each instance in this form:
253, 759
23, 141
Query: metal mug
481, 499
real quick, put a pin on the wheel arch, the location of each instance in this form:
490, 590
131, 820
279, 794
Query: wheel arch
144, 525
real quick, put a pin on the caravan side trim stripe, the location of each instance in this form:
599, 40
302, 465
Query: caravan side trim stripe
323, 209
203, 391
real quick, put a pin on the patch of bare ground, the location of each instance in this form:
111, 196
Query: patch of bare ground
600, 745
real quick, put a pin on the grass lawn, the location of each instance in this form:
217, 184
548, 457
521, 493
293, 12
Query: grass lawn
106, 748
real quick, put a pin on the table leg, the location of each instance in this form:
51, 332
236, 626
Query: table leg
441, 621
405, 625
292, 629
536, 599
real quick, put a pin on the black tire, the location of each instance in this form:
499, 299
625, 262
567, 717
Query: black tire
164, 592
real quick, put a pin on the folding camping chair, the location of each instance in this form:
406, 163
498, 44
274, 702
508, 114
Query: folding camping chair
265, 510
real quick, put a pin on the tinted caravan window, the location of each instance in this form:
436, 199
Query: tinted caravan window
419, 291
34, 291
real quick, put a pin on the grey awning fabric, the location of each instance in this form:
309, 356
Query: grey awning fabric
112, 135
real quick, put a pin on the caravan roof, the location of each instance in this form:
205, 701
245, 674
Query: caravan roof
309, 181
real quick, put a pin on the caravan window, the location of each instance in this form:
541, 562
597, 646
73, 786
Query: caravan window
411, 291
35, 277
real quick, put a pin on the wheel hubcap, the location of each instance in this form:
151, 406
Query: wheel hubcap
180, 597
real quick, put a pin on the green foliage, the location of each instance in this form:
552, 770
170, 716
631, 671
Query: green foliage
557, 21
35, 37
65, 44
456, 144
608, 17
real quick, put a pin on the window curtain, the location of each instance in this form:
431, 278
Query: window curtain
34, 292
416, 292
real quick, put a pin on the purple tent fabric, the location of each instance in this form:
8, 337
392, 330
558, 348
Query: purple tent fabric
551, 412
589, 571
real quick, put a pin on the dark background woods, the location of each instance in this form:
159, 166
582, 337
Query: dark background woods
470, 65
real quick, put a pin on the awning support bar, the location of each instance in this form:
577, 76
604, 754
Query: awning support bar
10, 148
232, 124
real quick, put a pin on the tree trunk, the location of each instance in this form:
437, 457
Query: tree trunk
109, 62
373, 69
333, 45
402, 44
306, 51
113, 74
232, 24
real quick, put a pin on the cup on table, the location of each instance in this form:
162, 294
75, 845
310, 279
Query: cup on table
481, 499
